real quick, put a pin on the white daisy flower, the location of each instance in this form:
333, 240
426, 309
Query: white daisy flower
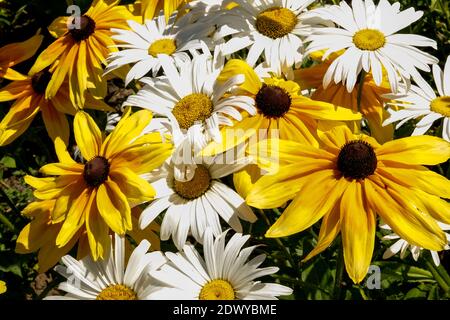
112, 278
422, 102
196, 104
223, 274
273, 28
194, 205
368, 35
402, 245
144, 44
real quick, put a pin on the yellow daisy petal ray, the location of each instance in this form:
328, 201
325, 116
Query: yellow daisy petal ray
336, 138
235, 67
113, 207
58, 169
38, 208
358, 232
329, 229
136, 189
38, 183
35, 234
18, 119
55, 188
148, 234
426, 150
171, 6
57, 127
68, 195
298, 127
438, 208
304, 211
13, 75
17, 52
413, 226
75, 218
417, 177
51, 54
58, 27
16, 90
322, 110
49, 255
245, 179
87, 135
129, 127
98, 234
65, 63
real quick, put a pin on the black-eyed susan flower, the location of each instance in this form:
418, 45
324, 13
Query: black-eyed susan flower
223, 273
80, 50
351, 180
15, 53
372, 102
280, 106
99, 193
30, 99
368, 33
116, 278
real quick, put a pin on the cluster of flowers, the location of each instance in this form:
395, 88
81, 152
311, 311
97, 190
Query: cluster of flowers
296, 101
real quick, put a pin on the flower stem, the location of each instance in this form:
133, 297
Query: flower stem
437, 276
339, 272
3, 218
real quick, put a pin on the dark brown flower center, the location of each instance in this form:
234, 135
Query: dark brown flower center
40, 81
357, 160
272, 101
96, 171
86, 28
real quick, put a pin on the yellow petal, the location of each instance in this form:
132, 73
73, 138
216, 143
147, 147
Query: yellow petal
15, 53
425, 150
305, 210
98, 234
136, 189
323, 110
236, 67
87, 135
128, 128
329, 229
114, 207
57, 127
272, 191
57, 169
415, 227
49, 255
75, 218
358, 232
245, 179
52, 53
58, 27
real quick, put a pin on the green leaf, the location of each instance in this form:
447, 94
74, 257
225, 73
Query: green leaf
8, 162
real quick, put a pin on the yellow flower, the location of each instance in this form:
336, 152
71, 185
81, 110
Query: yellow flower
280, 106
350, 180
2, 287
150, 8
79, 52
372, 102
99, 193
41, 233
29, 93
14, 53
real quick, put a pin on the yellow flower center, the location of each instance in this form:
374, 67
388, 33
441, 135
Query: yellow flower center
369, 39
117, 292
276, 22
162, 46
441, 105
196, 187
217, 290
192, 108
